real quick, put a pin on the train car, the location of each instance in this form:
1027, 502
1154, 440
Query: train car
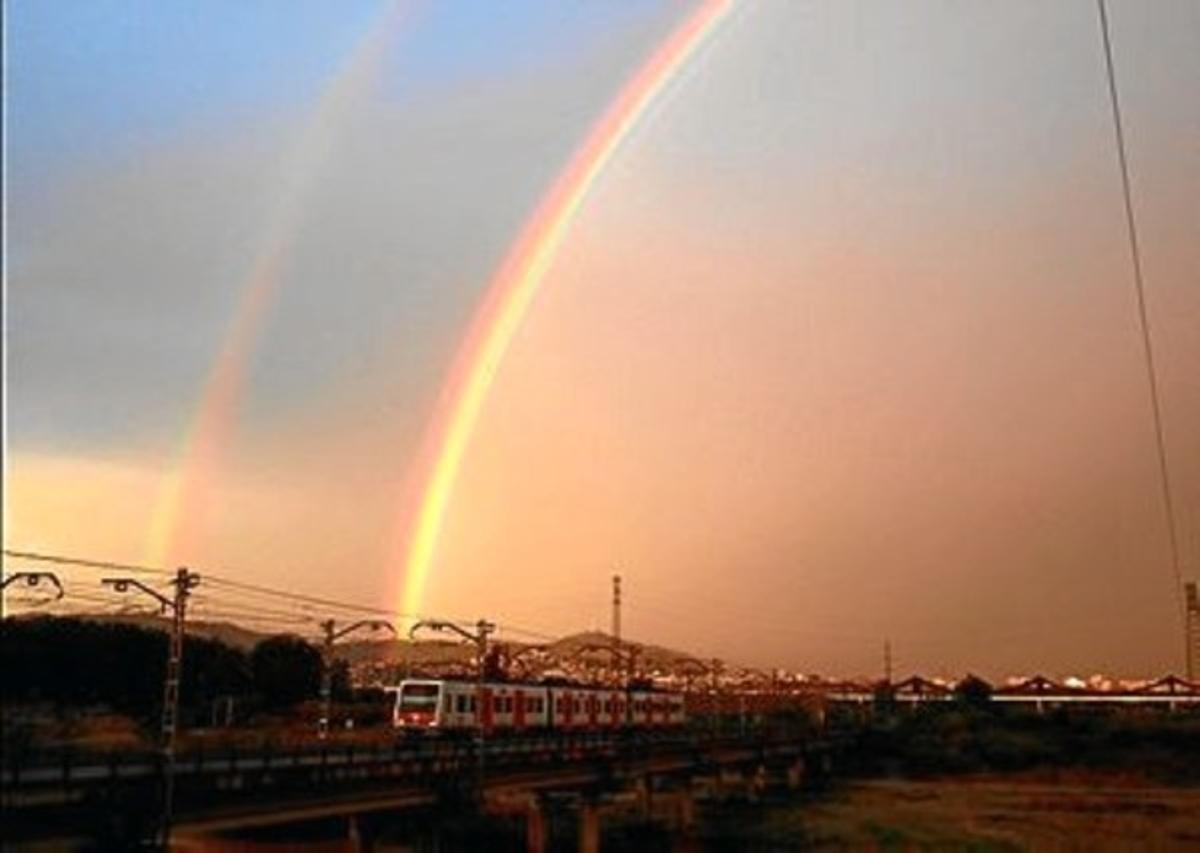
432, 705
656, 709
514, 707
424, 704
587, 708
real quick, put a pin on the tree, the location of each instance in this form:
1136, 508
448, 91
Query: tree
285, 670
212, 672
339, 681
89, 663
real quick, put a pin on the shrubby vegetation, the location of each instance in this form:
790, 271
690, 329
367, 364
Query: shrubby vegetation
973, 734
68, 665
285, 670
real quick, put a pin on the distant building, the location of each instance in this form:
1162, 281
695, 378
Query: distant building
1193, 631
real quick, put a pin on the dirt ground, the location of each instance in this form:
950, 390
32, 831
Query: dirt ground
994, 813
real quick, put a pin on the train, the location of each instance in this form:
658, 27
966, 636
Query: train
446, 705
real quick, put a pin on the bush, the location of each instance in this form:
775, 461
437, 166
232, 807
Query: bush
286, 670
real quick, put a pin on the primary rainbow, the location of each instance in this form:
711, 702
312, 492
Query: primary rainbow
516, 282
178, 514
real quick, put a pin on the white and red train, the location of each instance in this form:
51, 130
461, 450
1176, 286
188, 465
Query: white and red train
445, 705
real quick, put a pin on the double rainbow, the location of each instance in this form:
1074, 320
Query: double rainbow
179, 513
516, 282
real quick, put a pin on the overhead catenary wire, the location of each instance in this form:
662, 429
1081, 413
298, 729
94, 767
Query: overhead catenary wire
71, 601
209, 579
252, 609
216, 580
63, 560
203, 600
1135, 257
250, 618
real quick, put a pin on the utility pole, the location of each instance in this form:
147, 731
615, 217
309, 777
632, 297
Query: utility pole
887, 662
1192, 592
616, 611
480, 638
715, 672
183, 583
332, 635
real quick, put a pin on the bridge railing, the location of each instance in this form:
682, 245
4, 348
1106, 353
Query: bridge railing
401, 758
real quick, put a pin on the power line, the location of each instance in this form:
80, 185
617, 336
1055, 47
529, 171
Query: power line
219, 581
249, 618
60, 560
1139, 288
46, 605
205, 600
505, 628
306, 599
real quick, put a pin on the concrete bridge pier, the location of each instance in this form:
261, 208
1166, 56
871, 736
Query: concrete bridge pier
589, 826
528, 807
536, 831
729, 779
685, 811
643, 798
794, 774
361, 834
757, 783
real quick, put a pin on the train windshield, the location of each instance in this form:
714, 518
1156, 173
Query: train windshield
418, 697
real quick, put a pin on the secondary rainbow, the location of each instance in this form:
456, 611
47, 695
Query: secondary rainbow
515, 284
179, 513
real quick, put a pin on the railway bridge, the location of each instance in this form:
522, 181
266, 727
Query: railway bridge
534, 780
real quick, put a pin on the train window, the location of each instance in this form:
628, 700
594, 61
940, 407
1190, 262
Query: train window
471, 704
419, 697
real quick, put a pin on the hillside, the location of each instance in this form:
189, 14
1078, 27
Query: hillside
590, 647
224, 632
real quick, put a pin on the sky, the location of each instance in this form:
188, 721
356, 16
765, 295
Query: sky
842, 346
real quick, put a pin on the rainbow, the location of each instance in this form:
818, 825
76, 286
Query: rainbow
178, 514
515, 284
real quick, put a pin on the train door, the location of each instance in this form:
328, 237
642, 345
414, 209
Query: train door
519, 709
487, 716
